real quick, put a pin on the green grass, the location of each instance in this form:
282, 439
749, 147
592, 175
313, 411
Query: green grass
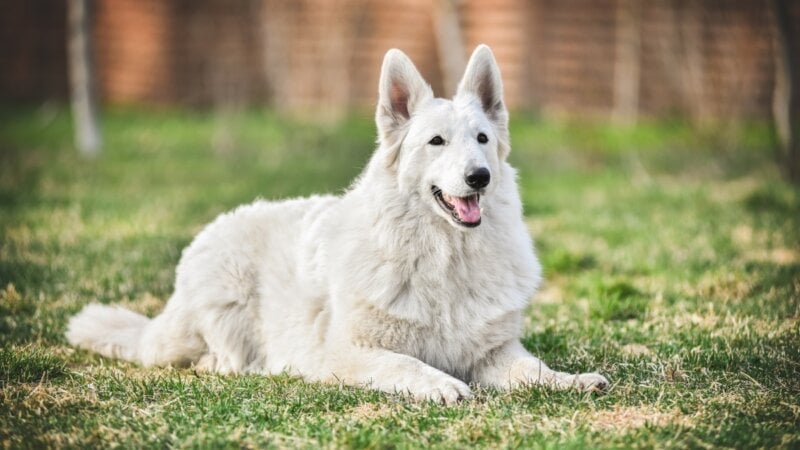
672, 263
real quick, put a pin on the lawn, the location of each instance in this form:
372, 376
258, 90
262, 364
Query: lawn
672, 264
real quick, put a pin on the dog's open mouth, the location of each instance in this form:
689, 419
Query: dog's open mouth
465, 211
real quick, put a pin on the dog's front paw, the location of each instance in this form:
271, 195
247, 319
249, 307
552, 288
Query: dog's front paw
588, 382
441, 389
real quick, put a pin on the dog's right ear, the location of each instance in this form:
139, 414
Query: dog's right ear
400, 92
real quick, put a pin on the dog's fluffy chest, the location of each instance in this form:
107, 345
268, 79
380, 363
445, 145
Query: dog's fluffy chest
415, 285
445, 308
453, 341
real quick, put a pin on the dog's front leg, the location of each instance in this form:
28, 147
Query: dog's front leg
510, 366
392, 372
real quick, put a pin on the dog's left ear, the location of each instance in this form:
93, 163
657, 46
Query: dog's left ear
482, 80
400, 92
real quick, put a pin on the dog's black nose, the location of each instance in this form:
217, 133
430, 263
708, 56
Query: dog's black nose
478, 178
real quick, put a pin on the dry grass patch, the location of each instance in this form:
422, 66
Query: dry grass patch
636, 350
549, 294
10, 299
40, 398
146, 304
755, 246
369, 411
724, 325
624, 418
727, 286
780, 256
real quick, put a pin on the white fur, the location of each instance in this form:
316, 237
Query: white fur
378, 287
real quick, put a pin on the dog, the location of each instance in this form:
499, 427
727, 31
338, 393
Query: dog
413, 281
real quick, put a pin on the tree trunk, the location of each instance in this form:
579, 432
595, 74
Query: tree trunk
627, 61
450, 44
783, 103
82, 79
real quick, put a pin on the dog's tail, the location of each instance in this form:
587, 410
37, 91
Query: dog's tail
112, 331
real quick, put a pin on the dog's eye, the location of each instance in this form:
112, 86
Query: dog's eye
437, 140
482, 138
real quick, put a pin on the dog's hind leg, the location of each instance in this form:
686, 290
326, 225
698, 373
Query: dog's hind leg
171, 339
230, 334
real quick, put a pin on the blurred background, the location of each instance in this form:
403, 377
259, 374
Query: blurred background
705, 62
701, 59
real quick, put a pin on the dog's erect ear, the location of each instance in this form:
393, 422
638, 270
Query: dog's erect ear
482, 79
400, 92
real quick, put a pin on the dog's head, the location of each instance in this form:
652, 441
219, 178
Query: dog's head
446, 152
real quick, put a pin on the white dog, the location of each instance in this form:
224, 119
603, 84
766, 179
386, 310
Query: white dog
414, 281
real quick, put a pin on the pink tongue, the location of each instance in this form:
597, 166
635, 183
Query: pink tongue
467, 208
